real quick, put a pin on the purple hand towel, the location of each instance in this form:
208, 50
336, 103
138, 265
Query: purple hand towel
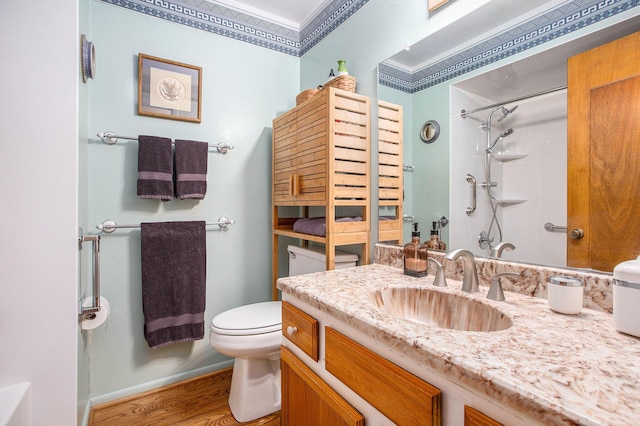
191, 169
174, 270
155, 168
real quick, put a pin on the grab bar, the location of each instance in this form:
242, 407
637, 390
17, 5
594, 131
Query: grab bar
89, 312
472, 181
109, 226
111, 138
550, 227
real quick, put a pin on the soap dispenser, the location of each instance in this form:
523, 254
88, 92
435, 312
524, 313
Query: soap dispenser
415, 255
435, 243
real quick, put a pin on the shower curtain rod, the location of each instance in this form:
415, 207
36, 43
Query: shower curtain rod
464, 113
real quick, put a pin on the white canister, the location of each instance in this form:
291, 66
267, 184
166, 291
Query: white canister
565, 294
626, 297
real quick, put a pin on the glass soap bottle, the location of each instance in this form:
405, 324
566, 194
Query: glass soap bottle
415, 255
434, 242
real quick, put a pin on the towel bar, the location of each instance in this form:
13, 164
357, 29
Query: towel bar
109, 226
89, 312
111, 138
550, 227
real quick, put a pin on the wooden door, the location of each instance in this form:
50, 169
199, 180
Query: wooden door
604, 154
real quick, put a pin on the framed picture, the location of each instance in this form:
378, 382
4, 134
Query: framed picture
434, 4
169, 89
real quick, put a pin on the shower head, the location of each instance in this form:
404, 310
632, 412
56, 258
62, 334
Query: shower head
500, 137
506, 112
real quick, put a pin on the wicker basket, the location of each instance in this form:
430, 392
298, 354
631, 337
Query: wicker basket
344, 82
303, 96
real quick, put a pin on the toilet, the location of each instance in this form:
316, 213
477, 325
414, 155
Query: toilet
305, 260
252, 334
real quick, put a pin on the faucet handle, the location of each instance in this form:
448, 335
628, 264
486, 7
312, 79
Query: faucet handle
495, 291
439, 280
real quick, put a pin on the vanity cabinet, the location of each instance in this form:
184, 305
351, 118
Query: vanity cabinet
375, 381
321, 160
307, 399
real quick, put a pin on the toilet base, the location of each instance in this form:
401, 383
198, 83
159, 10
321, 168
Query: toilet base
255, 387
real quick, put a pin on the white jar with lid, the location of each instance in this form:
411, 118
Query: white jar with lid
565, 294
626, 297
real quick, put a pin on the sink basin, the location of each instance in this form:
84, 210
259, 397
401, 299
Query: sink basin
440, 309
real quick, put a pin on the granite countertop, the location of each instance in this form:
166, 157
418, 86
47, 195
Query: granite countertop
558, 369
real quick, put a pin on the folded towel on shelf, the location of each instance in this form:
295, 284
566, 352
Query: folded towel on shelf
318, 225
174, 270
191, 169
155, 168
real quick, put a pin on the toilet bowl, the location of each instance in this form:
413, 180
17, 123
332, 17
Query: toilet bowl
252, 334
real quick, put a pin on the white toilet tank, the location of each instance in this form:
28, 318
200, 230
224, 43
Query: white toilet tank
313, 259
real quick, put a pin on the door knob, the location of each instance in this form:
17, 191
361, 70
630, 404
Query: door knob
576, 234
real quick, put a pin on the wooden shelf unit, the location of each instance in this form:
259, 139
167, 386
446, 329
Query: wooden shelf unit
390, 170
321, 158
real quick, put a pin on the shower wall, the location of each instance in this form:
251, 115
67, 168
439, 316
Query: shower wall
534, 187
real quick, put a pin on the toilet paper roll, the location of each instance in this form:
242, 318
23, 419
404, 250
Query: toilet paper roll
101, 316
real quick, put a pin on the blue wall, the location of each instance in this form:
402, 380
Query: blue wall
243, 88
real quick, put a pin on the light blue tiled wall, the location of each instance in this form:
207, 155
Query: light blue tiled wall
243, 88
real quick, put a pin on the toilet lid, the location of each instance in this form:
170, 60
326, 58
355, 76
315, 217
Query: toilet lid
257, 318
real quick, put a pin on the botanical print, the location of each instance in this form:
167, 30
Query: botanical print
170, 90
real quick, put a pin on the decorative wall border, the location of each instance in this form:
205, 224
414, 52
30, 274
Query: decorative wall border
553, 24
217, 19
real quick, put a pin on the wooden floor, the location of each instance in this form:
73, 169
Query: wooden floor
199, 401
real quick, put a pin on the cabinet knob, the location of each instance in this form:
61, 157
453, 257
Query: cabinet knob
292, 330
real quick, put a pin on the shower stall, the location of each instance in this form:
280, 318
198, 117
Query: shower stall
508, 175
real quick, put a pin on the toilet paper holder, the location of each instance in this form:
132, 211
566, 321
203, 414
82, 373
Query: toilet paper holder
89, 312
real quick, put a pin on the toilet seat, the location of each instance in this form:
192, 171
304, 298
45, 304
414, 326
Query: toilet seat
257, 318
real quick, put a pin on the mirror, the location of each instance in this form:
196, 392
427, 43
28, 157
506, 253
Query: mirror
430, 131
525, 133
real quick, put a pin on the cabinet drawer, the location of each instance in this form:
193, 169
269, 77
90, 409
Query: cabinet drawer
301, 329
404, 398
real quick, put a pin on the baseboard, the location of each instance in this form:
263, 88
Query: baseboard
156, 384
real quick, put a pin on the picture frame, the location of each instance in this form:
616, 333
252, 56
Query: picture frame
169, 89
434, 4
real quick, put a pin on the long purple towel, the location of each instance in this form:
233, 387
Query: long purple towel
155, 168
174, 269
192, 159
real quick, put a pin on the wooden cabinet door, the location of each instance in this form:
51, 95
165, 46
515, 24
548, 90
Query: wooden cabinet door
308, 401
312, 150
473, 417
603, 154
284, 157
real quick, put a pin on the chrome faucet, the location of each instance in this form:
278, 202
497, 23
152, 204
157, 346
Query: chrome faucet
439, 280
495, 291
470, 273
496, 251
